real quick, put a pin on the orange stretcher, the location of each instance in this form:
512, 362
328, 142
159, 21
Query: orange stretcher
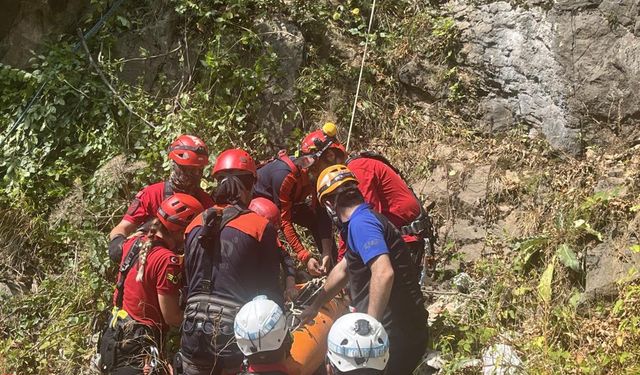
310, 341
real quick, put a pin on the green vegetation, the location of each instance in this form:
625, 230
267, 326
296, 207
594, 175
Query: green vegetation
83, 150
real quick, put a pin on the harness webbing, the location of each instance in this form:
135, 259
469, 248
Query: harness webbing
214, 220
168, 190
125, 267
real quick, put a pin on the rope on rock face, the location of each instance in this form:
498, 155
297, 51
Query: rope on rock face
116, 4
364, 56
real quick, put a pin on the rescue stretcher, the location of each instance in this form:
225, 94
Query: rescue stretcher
310, 341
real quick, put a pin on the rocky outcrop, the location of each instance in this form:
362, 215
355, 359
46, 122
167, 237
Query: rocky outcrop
287, 42
568, 70
612, 262
25, 25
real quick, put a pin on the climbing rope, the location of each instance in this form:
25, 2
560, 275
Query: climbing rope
364, 56
116, 4
307, 293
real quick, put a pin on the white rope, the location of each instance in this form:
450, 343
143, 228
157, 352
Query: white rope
364, 56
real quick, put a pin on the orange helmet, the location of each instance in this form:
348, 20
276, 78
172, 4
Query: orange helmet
190, 151
267, 209
333, 178
235, 160
321, 140
177, 211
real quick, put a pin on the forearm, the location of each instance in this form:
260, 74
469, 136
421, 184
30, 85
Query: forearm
124, 228
327, 247
170, 309
379, 292
336, 281
291, 236
288, 265
290, 282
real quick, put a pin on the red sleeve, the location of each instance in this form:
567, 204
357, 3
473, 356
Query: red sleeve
286, 212
169, 279
137, 211
145, 204
367, 183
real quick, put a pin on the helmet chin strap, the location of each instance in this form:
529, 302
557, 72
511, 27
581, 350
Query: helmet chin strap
333, 214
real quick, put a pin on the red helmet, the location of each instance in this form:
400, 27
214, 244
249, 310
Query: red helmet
267, 209
177, 211
321, 140
235, 160
190, 151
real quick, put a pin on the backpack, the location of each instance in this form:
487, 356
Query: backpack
423, 224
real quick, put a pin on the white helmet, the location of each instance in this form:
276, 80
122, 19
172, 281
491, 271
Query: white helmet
358, 341
260, 326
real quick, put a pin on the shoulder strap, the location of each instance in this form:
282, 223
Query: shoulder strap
282, 155
125, 267
214, 220
168, 190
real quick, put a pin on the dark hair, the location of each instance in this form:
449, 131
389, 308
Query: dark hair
349, 196
337, 154
271, 356
152, 228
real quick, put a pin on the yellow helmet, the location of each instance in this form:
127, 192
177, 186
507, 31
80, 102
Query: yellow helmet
332, 178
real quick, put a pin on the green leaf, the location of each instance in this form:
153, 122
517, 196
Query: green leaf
123, 21
582, 224
575, 298
635, 248
568, 257
544, 287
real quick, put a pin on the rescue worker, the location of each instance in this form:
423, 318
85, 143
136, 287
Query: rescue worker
189, 156
377, 266
269, 210
285, 181
357, 344
231, 256
263, 337
146, 300
381, 186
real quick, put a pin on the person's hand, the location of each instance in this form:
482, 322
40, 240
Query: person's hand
314, 267
307, 315
326, 261
291, 292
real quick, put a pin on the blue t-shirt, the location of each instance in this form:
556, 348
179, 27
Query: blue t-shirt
365, 234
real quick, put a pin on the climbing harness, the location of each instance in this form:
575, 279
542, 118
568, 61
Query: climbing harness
364, 56
206, 315
121, 330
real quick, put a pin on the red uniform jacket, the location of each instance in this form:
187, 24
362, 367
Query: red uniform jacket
162, 276
386, 192
146, 203
286, 185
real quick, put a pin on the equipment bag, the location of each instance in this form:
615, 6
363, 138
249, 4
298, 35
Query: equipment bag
205, 315
423, 224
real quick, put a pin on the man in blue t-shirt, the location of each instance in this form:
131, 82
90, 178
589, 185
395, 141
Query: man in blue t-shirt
378, 268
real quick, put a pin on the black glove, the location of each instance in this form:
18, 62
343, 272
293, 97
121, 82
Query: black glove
115, 248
